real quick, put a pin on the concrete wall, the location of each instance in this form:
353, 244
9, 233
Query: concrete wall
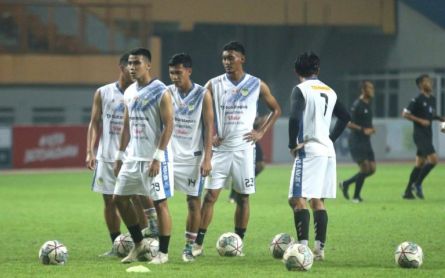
66, 69
372, 13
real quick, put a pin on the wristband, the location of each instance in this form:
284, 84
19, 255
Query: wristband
159, 155
119, 155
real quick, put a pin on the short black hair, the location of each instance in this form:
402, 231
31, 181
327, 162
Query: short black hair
420, 78
180, 58
307, 64
123, 61
235, 46
141, 51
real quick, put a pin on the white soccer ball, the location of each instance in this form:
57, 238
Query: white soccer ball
442, 127
153, 249
298, 257
229, 244
53, 252
409, 255
123, 244
279, 244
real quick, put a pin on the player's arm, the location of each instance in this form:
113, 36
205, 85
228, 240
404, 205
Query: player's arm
166, 111
216, 141
93, 130
343, 118
124, 139
207, 113
408, 114
273, 116
297, 106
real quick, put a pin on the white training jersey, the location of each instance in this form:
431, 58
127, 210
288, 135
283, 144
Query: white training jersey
145, 120
235, 110
314, 130
113, 108
187, 140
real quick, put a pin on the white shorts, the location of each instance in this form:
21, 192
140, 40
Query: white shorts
313, 177
133, 179
188, 179
239, 165
104, 179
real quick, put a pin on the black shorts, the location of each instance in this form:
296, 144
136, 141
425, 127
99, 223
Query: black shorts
424, 146
258, 152
361, 152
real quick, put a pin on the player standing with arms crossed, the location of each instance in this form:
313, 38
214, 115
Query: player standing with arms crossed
235, 95
314, 171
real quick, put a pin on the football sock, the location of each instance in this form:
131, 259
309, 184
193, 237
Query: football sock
135, 232
163, 244
359, 184
240, 232
150, 213
113, 236
412, 178
424, 172
350, 180
232, 194
200, 237
190, 237
320, 226
301, 220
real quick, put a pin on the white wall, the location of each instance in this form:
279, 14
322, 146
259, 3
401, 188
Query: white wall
392, 141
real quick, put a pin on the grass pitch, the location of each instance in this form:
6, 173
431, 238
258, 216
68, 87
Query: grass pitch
36, 207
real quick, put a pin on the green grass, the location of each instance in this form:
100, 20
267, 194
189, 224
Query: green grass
36, 207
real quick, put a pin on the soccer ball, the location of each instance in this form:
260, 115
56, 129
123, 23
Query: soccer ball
298, 257
229, 244
409, 255
53, 252
279, 244
122, 245
153, 250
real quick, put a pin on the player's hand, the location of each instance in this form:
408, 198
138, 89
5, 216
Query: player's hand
90, 161
368, 131
206, 167
253, 136
117, 167
216, 141
424, 123
295, 150
155, 166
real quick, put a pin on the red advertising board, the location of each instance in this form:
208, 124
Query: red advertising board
48, 146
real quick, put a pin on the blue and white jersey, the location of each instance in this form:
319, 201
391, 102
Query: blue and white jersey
145, 120
113, 108
235, 110
187, 139
320, 100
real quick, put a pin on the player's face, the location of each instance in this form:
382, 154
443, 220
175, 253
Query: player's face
369, 90
427, 85
179, 75
232, 61
138, 66
125, 74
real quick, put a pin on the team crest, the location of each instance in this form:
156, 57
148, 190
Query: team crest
191, 107
244, 92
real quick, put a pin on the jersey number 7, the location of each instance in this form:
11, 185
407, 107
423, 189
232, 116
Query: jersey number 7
323, 95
